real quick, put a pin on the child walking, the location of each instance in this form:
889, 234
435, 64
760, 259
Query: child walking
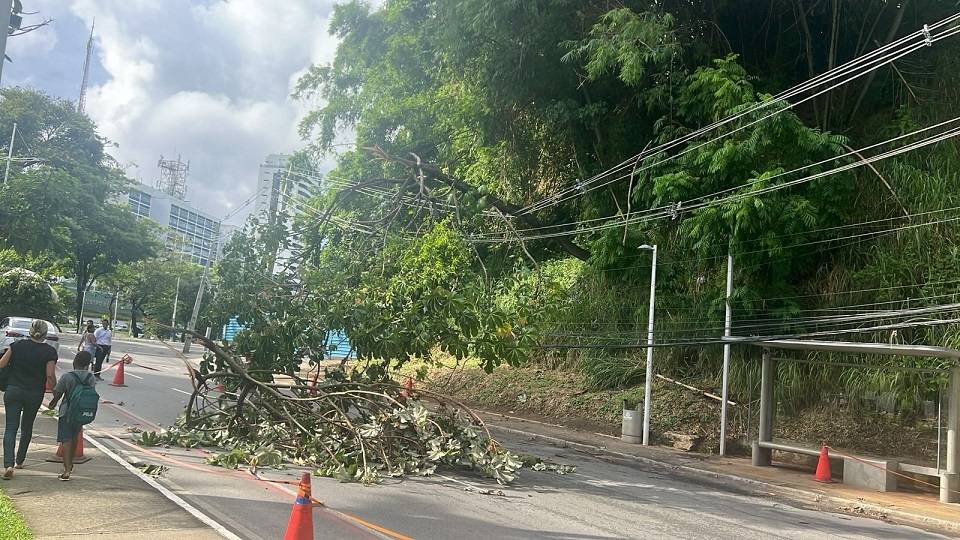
75, 411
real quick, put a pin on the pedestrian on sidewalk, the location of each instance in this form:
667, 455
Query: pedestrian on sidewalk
32, 363
88, 341
68, 426
104, 337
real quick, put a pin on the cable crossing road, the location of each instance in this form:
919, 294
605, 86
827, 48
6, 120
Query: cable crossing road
605, 498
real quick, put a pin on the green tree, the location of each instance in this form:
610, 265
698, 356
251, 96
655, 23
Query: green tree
150, 285
26, 294
62, 190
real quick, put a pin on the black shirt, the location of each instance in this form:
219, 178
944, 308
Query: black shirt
28, 364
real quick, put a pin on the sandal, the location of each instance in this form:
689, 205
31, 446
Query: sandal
64, 476
8, 474
18, 466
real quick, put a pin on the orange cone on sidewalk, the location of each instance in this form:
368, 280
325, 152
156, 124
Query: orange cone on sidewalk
78, 456
118, 377
823, 467
300, 526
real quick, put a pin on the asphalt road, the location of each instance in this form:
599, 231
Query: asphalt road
605, 498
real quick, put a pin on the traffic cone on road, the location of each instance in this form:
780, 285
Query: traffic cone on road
823, 467
78, 456
300, 526
118, 377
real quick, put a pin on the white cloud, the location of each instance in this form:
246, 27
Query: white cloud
208, 80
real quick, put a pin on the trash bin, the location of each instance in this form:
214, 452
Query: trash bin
632, 429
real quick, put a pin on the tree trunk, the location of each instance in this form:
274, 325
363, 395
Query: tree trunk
892, 33
78, 305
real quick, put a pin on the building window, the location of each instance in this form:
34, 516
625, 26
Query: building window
139, 203
199, 233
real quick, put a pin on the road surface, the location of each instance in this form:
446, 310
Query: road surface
606, 498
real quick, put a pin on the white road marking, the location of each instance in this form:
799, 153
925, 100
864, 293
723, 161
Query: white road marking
181, 391
173, 497
135, 376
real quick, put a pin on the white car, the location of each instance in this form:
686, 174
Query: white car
17, 328
120, 325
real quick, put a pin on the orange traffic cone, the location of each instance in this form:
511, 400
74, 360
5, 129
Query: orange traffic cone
78, 456
118, 377
300, 526
823, 467
407, 387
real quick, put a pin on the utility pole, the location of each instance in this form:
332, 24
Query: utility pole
13, 137
187, 339
648, 384
176, 300
6, 7
727, 329
116, 307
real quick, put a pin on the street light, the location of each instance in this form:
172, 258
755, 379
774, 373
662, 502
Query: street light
648, 385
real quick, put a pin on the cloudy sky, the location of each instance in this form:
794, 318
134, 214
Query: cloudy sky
209, 80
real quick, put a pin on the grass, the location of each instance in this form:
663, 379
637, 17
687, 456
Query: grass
12, 526
570, 398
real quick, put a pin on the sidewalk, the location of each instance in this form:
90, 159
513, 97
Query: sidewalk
103, 500
781, 481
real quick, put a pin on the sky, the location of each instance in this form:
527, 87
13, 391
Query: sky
207, 80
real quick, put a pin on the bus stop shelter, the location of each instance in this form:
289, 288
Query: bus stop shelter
764, 445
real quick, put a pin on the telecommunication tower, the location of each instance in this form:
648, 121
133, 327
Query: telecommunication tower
173, 177
86, 71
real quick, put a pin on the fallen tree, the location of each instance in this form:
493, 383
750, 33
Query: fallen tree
347, 429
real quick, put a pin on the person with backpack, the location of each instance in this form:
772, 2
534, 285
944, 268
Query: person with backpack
27, 366
78, 408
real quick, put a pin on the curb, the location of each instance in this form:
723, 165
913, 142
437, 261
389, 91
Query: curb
841, 504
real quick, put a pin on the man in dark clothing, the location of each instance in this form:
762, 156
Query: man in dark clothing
104, 338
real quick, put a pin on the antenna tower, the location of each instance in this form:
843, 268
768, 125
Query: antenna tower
86, 71
173, 177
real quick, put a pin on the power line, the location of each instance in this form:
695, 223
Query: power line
673, 211
885, 57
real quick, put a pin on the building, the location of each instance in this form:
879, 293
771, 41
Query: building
188, 230
280, 190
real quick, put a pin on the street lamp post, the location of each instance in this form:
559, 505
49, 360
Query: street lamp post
648, 385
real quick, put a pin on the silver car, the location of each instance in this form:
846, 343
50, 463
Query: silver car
17, 328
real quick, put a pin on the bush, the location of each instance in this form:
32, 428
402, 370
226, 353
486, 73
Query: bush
25, 294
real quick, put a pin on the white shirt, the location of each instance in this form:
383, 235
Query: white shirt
104, 336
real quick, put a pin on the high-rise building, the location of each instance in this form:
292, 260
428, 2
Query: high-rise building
187, 230
281, 190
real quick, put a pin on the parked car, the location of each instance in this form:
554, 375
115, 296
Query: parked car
17, 328
120, 325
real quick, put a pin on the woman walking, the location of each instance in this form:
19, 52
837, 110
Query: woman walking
88, 341
32, 362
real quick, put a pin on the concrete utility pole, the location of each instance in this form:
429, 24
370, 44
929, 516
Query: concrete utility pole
727, 329
6, 7
176, 300
116, 307
13, 137
648, 384
187, 339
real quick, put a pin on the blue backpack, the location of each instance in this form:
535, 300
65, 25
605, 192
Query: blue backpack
83, 400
